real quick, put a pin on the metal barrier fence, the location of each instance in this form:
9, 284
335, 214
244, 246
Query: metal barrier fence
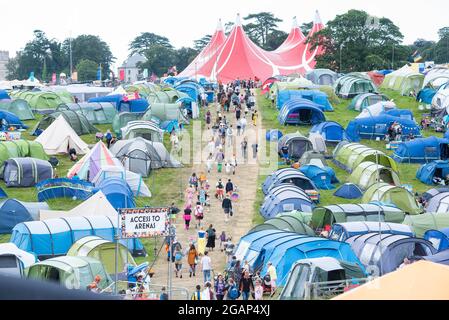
134, 291
330, 289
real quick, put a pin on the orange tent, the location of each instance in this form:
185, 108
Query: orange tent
422, 280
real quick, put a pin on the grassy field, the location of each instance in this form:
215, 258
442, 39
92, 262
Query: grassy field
407, 172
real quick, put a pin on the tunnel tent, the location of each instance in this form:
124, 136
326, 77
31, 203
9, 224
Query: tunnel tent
368, 173
398, 196
400, 113
435, 169
322, 76
78, 122
20, 149
14, 261
71, 272
18, 107
147, 130
104, 251
122, 119
438, 238
296, 143
441, 257
328, 215
427, 221
364, 100
45, 101
95, 112
344, 230
313, 158
387, 251
422, 150
26, 172
349, 156
300, 111
331, 131
353, 84
288, 176
403, 80
54, 237
123, 104
286, 223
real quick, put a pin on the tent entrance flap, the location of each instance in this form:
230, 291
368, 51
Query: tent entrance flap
305, 115
386, 176
444, 151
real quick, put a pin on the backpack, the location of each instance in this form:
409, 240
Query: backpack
211, 233
178, 256
233, 292
220, 185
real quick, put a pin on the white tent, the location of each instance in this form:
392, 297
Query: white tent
134, 180
23, 259
318, 143
376, 109
440, 100
96, 205
59, 137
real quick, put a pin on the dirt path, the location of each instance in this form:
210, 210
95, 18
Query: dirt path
237, 226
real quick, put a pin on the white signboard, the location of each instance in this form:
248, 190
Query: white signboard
143, 222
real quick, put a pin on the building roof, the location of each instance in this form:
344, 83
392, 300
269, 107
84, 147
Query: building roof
132, 61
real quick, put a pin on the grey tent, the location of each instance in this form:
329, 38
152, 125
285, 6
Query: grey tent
142, 128
287, 176
387, 251
364, 100
19, 107
26, 172
77, 121
95, 112
140, 156
296, 143
313, 158
322, 76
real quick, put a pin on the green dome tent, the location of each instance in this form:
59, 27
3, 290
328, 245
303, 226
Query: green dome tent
427, 221
166, 111
121, 119
19, 107
42, 100
95, 112
364, 100
20, 149
77, 121
368, 173
288, 222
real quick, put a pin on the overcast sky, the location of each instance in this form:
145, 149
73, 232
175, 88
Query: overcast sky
183, 21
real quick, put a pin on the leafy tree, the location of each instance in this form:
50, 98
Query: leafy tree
442, 46
159, 59
260, 26
201, 43
184, 57
275, 39
145, 41
87, 70
228, 27
12, 67
306, 27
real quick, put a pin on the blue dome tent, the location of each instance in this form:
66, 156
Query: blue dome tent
9, 119
348, 191
4, 95
427, 172
301, 112
54, 237
3, 194
438, 238
318, 97
323, 178
422, 150
331, 131
273, 135
12, 212
117, 191
426, 95
169, 125
137, 105
377, 127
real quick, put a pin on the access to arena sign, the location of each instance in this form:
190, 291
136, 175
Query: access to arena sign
143, 222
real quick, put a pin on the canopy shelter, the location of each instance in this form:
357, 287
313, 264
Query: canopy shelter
427, 221
54, 237
339, 213
60, 137
422, 150
300, 111
288, 176
429, 173
141, 156
348, 191
397, 196
117, 191
377, 127
104, 251
13, 261
296, 143
63, 188
285, 222
345, 230
368, 173
364, 100
147, 130
304, 272
123, 105
316, 96
19, 107
349, 156
122, 119
377, 109
134, 180
331, 131
26, 172
322, 76
322, 177
95, 112
71, 272
77, 121
403, 80
438, 238
313, 158
89, 165
430, 282
353, 84
285, 197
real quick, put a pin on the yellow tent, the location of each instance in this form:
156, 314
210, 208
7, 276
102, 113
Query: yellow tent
422, 280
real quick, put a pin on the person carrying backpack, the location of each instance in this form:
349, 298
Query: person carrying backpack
197, 295
219, 190
232, 290
178, 263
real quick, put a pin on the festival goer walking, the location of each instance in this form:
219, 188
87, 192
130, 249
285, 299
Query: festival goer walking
220, 286
211, 237
206, 264
178, 262
244, 146
223, 240
197, 295
254, 118
199, 214
227, 207
239, 127
108, 136
187, 217
273, 277
209, 162
192, 257
229, 187
233, 163
193, 180
201, 241
173, 210
219, 158
208, 119
229, 135
202, 194
258, 290
219, 190
208, 294
243, 124
232, 290
246, 285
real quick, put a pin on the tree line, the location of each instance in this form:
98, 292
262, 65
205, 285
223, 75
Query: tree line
353, 41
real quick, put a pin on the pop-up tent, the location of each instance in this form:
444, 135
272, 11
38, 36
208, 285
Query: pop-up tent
398, 196
348, 191
26, 172
300, 111
435, 169
322, 76
377, 127
323, 178
19, 107
13, 261
422, 150
439, 238
339, 213
364, 100
368, 173
296, 143
426, 95
427, 221
288, 176
345, 230
95, 112
141, 156
71, 272
60, 137
54, 237
316, 96
12, 212
429, 194
144, 129
331, 131
8, 120
387, 251
349, 156
118, 192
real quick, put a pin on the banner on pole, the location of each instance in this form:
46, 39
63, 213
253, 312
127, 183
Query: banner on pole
143, 222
